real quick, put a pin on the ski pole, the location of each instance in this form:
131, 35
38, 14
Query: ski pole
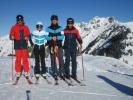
30, 65
12, 60
83, 67
82, 58
46, 58
30, 68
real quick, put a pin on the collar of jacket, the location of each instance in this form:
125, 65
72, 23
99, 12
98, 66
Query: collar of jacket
54, 26
19, 24
70, 28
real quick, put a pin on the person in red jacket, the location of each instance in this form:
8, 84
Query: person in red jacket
20, 34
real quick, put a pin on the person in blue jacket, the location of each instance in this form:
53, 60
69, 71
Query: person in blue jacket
55, 45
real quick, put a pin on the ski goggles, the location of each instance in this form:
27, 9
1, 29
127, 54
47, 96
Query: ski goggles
39, 26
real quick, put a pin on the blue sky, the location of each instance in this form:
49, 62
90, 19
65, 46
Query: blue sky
80, 10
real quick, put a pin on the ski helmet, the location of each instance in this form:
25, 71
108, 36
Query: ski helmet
54, 17
70, 20
39, 25
19, 17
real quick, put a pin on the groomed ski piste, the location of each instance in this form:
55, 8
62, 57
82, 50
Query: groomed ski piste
105, 78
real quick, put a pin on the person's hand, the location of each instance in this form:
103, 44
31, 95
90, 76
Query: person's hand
12, 37
26, 38
56, 49
54, 38
80, 47
32, 45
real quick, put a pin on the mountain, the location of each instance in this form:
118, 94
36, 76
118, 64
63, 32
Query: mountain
5, 46
108, 37
104, 36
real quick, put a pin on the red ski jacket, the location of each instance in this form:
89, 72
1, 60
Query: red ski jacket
15, 31
20, 32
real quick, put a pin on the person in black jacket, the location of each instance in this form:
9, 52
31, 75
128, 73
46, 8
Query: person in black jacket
55, 45
70, 47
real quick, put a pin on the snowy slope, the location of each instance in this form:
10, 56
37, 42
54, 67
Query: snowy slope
5, 46
105, 78
128, 24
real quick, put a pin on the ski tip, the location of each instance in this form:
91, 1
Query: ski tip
14, 83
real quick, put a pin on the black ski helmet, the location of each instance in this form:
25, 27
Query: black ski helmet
54, 17
19, 17
70, 20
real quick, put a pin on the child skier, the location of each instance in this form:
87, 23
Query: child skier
39, 39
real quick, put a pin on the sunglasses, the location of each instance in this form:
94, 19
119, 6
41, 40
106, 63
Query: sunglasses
54, 19
20, 20
70, 23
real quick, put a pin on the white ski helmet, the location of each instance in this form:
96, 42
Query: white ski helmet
39, 25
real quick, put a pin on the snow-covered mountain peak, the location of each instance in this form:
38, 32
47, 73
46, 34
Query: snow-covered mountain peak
107, 36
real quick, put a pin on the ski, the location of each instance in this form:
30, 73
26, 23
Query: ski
46, 79
37, 80
16, 81
78, 81
28, 80
56, 81
69, 83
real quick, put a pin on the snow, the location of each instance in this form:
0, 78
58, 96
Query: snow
106, 79
5, 45
128, 24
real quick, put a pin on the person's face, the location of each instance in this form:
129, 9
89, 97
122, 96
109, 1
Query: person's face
20, 21
39, 28
54, 21
70, 24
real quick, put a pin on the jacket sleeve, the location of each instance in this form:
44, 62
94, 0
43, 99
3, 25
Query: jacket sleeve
47, 37
30, 39
27, 31
12, 32
61, 37
78, 37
